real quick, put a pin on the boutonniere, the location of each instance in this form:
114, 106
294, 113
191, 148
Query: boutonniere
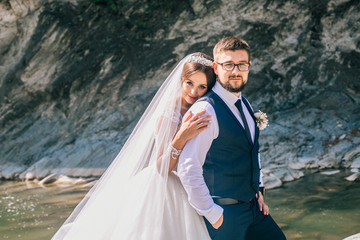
261, 120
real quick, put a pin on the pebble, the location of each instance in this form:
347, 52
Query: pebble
330, 172
353, 177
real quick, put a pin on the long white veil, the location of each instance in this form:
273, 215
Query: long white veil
119, 206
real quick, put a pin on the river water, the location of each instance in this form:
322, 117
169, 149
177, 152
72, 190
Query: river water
314, 207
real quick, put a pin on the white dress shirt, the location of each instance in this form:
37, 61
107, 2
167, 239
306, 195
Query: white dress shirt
193, 155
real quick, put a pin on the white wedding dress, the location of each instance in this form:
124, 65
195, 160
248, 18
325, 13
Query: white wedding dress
179, 222
188, 224
136, 198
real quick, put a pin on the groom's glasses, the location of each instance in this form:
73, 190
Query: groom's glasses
230, 66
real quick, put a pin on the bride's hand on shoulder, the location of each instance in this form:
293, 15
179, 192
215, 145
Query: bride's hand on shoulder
193, 125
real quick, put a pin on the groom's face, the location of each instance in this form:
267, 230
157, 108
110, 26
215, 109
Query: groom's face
234, 81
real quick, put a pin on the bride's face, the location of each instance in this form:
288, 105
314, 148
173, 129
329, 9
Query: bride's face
194, 87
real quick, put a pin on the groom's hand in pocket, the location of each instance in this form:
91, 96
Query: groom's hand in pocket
263, 207
219, 222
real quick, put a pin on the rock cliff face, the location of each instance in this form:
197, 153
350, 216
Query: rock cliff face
75, 78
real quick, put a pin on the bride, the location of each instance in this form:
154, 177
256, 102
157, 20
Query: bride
140, 196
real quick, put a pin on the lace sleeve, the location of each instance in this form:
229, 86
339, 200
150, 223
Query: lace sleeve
172, 121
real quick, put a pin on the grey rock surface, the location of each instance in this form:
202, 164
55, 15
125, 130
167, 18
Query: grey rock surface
75, 78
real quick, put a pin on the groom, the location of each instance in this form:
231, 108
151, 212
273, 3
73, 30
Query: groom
219, 168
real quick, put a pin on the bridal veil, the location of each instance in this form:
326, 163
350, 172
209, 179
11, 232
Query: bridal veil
121, 205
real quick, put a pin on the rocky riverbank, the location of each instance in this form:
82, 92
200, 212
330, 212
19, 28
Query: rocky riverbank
75, 77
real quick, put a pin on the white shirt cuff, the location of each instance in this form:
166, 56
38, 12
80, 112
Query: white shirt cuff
214, 214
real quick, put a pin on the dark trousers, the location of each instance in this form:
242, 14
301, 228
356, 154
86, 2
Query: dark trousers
246, 222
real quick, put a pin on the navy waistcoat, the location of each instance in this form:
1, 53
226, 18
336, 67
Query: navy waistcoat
231, 168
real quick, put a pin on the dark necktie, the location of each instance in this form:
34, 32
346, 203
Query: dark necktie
255, 172
246, 126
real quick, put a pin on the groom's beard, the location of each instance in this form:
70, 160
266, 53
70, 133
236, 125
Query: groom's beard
230, 88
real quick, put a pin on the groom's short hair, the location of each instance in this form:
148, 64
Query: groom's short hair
230, 44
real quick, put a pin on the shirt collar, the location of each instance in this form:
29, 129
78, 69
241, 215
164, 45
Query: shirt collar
225, 95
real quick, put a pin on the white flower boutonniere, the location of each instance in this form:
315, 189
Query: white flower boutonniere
261, 120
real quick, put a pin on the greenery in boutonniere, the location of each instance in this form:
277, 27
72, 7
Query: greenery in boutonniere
261, 120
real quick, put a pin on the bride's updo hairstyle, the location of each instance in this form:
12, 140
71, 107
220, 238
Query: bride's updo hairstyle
199, 62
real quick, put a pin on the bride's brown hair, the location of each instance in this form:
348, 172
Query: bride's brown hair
202, 63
